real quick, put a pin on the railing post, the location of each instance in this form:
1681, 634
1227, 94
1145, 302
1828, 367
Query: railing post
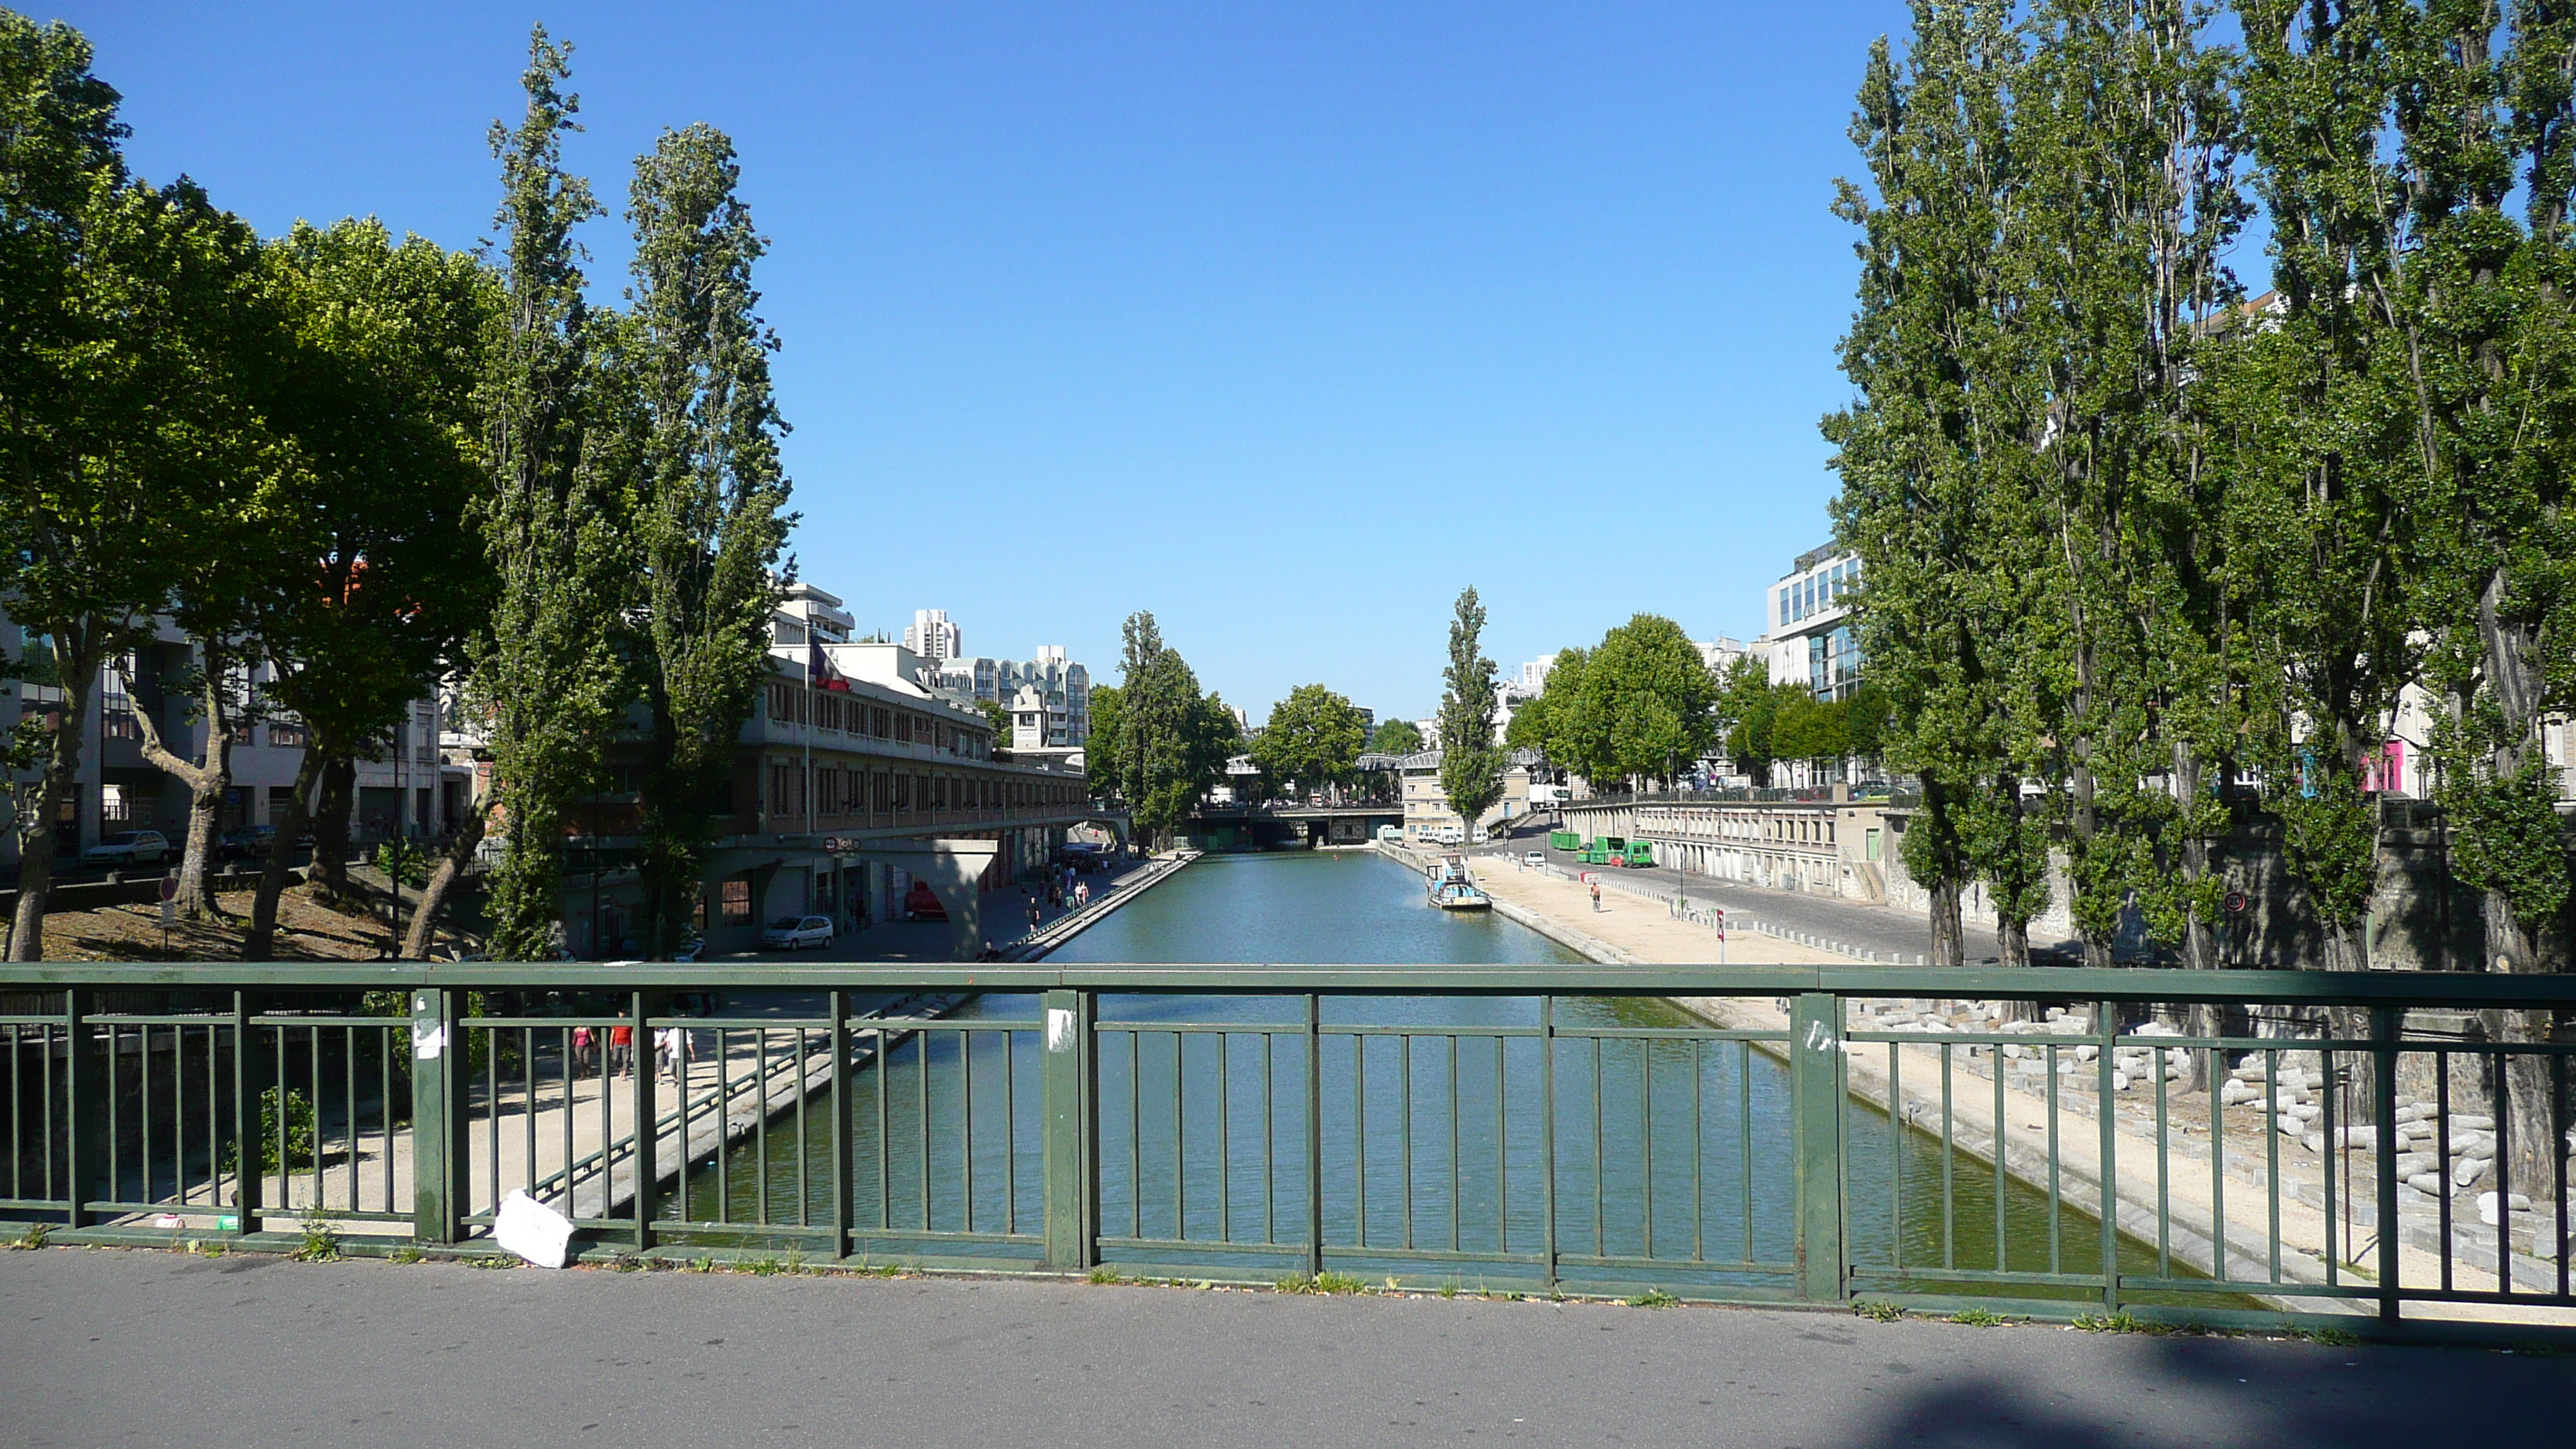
2384, 1022
80, 1104
2106, 1022
844, 1165
247, 1178
1064, 1109
643, 1165
1314, 1135
437, 1166
1547, 1135
1816, 1040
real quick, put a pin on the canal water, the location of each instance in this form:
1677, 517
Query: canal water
1673, 1151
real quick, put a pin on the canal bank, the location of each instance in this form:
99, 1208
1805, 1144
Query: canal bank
1189, 1185
2168, 1192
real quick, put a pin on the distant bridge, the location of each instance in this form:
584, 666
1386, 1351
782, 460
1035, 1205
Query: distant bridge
1273, 827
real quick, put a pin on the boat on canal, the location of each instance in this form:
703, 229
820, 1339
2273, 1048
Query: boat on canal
1452, 890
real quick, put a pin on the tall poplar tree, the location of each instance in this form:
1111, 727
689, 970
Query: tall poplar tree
1935, 441
545, 679
1471, 768
709, 509
2484, 110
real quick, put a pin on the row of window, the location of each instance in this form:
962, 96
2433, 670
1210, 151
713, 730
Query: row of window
842, 790
834, 710
1803, 598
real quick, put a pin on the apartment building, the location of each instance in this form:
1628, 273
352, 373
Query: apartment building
1810, 640
850, 744
404, 788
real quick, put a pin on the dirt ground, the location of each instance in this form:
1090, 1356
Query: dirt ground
306, 932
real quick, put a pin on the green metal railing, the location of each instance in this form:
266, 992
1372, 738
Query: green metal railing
1509, 1128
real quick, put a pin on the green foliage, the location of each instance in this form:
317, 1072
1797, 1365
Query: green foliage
1471, 768
708, 503
290, 1115
321, 1242
1160, 744
1313, 737
1877, 1310
545, 676
1979, 1318
1326, 1282
1400, 737
1652, 1298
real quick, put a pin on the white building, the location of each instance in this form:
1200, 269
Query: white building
933, 637
1721, 654
1809, 640
405, 787
1064, 684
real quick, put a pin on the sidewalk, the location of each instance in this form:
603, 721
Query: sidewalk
120, 1347
2173, 1168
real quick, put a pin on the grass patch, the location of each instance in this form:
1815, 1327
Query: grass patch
1324, 1282
2329, 1337
1105, 1274
34, 1237
408, 1253
1979, 1318
1448, 1290
1652, 1298
626, 1263
763, 1268
2121, 1322
496, 1262
1877, 1310
321, 1243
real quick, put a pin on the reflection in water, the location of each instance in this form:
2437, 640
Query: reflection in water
1671, 1148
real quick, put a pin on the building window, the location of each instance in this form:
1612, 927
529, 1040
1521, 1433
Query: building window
737, 901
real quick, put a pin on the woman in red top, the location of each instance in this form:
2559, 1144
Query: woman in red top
621, 1048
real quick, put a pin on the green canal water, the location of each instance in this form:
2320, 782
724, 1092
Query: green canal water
1671, 1150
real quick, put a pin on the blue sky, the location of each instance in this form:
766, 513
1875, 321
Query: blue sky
1284, 322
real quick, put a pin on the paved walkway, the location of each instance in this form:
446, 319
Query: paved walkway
102, 1347
2173, 1169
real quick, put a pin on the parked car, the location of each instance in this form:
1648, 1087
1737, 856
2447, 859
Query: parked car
129, 847
920, 905
795, 933
245, 842
1534, 857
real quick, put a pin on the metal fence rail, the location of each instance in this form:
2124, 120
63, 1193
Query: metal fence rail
1545, 1129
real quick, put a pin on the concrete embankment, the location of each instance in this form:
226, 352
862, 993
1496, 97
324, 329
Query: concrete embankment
1037, 944
1627, 929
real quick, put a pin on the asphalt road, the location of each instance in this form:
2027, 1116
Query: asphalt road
1882, 929
101, 1347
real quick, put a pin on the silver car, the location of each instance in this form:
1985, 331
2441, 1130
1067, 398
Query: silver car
129, 847
795, 933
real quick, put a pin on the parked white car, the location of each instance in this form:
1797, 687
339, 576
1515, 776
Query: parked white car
129, 847
1534, 858
795, 933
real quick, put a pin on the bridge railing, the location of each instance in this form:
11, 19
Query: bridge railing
2229, 1147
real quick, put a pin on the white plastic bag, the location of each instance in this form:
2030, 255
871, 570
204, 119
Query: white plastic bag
532, 1230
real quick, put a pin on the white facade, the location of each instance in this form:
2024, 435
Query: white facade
1809, 639
406, 787
933, 637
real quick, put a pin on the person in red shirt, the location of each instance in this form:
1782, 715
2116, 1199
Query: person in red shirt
621, 1049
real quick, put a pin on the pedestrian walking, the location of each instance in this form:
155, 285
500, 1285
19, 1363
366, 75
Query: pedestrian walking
621, 1049
1596, 897
582, 1043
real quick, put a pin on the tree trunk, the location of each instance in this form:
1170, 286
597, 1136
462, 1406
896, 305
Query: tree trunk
433, 893
36, 824
2012, 936
328, 873
260, 943
1949, 943
206, 779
